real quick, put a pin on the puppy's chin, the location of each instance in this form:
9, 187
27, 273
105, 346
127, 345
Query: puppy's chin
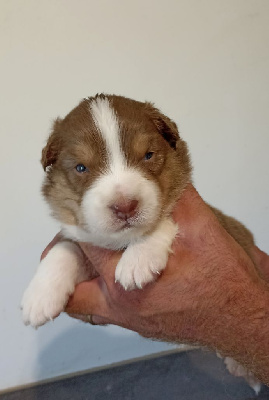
116, 239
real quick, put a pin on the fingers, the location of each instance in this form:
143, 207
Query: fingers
194, 217
191, 208
91, 319
90, 298
104, 261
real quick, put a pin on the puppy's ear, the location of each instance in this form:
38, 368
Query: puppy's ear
51, 150
165, 125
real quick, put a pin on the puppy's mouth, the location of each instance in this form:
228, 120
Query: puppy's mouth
125, 225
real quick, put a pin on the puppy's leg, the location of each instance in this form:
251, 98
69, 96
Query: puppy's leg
143, 260
237, 370
55, 280
237, 230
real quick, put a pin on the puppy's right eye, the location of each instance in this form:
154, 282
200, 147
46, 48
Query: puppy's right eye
81, 168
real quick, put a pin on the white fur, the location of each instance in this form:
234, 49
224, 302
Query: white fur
107, 124
101, 226
238, 370
141, 261
104, 228
145, 256
55, 280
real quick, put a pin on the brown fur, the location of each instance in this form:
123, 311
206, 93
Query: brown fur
144, 128
237, 230
75, 140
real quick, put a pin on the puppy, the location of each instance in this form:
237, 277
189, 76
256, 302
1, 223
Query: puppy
115, 168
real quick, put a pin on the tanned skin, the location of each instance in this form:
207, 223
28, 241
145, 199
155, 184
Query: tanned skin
210, 294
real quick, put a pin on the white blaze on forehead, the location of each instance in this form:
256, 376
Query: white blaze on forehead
107, 124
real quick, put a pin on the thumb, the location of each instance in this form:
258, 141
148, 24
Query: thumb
90, 297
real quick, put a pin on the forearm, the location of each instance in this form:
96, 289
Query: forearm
240, 331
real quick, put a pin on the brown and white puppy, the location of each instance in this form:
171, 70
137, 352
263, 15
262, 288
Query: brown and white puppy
115, 168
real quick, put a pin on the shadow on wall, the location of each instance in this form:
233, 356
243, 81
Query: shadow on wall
81, 346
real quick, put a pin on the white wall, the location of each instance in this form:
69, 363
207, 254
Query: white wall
205, 63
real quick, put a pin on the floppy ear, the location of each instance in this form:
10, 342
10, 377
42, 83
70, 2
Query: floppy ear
51, 150
165, 125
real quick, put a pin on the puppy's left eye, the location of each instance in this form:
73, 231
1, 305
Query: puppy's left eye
148, 155
81, 168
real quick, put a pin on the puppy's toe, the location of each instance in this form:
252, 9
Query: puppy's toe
42, 302
135, 271
124, 275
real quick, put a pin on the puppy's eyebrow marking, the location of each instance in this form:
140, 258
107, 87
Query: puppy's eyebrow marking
106, 122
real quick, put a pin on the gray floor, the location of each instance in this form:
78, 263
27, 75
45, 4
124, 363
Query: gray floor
194, 375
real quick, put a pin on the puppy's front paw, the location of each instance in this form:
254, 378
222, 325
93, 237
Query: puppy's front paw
55, 280
139, 266
142, 262
44, 299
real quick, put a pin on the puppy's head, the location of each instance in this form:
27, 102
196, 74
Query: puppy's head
114, 167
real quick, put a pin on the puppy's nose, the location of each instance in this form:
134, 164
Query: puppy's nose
124, 208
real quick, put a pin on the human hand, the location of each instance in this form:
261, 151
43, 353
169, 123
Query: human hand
207, 269
210, 293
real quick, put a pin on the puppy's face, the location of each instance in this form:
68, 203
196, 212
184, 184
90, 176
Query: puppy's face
115, 167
